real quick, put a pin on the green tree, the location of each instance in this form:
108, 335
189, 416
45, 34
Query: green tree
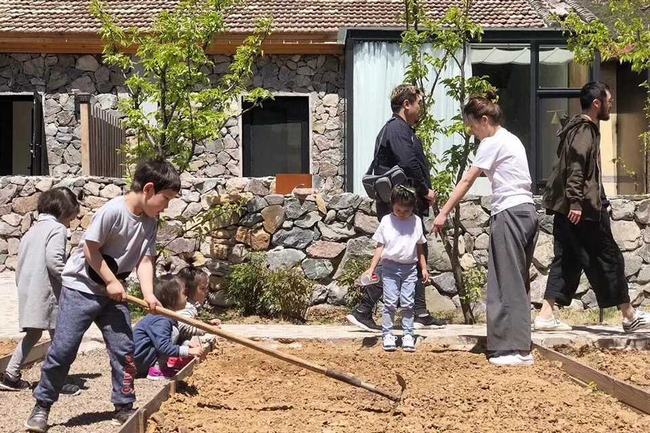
170, 70
622, 35
431, 45
168, 67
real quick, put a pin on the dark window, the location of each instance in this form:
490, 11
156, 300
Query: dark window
508, 69
276, 137
21, 119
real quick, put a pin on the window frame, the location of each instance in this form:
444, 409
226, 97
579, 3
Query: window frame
546, 37
541, 93
306, 136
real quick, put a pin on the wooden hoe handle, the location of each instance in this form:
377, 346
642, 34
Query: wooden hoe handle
334, 374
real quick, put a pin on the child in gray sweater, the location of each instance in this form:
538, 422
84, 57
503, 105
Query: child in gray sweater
41, 258
120, 239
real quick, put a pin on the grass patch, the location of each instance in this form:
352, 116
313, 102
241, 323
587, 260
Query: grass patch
611, 316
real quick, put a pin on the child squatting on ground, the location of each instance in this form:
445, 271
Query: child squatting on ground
41, 258
156, 337
120, 238
400, 248
195, 284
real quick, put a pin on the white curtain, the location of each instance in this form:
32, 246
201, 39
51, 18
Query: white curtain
377, 68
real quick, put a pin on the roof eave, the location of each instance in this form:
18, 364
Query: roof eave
318, 42
490, 33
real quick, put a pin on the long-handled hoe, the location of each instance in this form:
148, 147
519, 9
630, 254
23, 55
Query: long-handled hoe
334, 374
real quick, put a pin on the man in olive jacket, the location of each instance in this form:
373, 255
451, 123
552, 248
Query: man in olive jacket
581, 226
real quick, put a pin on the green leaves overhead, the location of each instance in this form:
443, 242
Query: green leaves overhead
624, 38
175, 101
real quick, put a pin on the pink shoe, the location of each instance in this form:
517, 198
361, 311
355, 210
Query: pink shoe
157, 373
178, 362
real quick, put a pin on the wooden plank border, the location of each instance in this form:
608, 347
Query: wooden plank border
138, 421
36, 354
627, 393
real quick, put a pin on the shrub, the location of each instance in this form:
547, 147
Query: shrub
244, 284
474, 280
286, 294
351, 272
254, 289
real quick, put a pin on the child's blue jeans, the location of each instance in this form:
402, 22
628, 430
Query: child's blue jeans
77, 311
399, 285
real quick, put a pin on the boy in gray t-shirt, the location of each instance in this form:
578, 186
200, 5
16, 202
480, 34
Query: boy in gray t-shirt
121, 238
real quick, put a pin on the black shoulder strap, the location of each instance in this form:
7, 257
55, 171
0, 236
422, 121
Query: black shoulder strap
373, 164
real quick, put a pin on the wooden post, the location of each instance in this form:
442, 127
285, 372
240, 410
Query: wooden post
84, 115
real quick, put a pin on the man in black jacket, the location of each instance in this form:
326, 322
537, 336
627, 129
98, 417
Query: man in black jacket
397, 144
582, 232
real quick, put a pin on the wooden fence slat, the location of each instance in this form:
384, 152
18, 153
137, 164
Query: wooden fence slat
106, 138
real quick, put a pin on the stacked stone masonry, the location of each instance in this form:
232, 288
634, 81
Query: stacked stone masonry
57, 77
315, 233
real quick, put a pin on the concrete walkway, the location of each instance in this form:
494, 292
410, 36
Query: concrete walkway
453, 336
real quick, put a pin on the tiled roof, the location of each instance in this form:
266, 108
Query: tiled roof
53, 16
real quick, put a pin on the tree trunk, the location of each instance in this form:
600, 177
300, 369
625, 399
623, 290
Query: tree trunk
451, 248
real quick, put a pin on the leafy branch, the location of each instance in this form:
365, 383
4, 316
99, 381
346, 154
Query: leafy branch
433, 46
171, 71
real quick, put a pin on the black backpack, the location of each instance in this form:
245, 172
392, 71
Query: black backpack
380, 186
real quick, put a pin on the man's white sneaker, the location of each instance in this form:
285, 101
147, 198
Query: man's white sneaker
641, 320
551, 324
389, 343
513, 359
408, 343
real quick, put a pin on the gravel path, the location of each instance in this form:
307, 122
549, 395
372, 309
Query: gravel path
90, 411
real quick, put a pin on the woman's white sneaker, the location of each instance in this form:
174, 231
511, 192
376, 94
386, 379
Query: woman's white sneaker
513, 359
551, 324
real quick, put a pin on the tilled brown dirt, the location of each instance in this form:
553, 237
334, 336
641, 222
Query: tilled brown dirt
7, 346
629, 365
90, 411
243, 391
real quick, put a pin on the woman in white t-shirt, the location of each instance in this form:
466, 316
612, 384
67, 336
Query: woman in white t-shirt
400, 248
513, 230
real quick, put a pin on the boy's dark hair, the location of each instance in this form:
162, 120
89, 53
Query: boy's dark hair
166, 289
484, 105
592, 91
59, 202
161, 173
403, 195
401, 93
191, 276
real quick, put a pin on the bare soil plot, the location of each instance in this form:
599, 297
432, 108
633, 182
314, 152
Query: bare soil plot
241, 390
7, 346
632, 366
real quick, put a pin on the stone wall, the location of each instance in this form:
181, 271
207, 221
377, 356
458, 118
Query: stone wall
317, 234
56, 76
